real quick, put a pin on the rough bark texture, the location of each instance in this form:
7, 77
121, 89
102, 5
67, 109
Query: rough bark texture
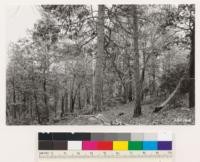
137, 110
98, 83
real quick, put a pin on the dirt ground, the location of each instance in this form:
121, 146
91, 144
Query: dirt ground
123, 115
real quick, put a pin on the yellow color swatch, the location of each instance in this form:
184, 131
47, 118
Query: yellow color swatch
120, 145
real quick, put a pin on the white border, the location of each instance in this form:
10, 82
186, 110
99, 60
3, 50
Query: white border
14, 150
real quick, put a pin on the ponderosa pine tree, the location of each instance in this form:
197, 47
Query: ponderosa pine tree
137, 109
98, 74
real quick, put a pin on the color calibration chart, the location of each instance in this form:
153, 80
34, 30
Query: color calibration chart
141, 147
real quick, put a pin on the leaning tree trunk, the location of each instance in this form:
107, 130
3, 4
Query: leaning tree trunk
192, 70
171, 96
137, 110
98, 80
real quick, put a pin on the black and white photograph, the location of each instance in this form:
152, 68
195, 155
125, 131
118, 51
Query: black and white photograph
112, 65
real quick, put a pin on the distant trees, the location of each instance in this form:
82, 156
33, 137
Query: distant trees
79, 59
45, 34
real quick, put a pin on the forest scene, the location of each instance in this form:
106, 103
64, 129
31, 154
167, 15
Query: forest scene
104, 65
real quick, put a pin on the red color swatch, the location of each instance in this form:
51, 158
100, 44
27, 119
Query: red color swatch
104, 145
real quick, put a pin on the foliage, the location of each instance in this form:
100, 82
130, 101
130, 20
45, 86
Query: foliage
51, 72
170, 79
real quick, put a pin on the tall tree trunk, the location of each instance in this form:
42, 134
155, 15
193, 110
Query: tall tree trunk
24, 107
69, 100
30, 107
137, 110
88, 97
37, 108
72, 94
37, 111
79, 98
66, 101
45, 100
192, 70
125, 92
98, 80
85, 96
14, 100
62, 107
130, 89
56, 98
153, 64
143, 75
72, 104
124, 66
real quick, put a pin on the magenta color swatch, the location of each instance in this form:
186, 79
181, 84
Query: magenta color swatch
89, 145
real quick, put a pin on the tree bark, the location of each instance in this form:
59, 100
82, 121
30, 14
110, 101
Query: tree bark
14, 100
130, 89
37, 108
192, 70
66, 101
56, 98
137, 110
72, 104
62, 107
153, 63
45, 99
143, 75
79, 98
86, 96
98, 80
37, 111
125, 93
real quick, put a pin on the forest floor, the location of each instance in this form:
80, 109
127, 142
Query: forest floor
123, 115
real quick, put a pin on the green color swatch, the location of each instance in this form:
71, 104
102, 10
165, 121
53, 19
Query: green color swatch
135, 145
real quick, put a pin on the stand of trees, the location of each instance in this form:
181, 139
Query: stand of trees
80, 58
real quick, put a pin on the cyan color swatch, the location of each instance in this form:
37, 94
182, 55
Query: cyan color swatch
150, 145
